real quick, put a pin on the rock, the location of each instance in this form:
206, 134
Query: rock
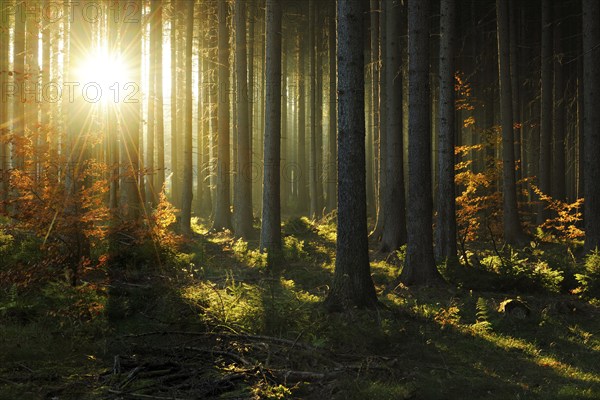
514, 308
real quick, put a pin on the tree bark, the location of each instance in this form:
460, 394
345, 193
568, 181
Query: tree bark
352, 283
243, 193
270, 233
513, 232
591, 63
188, 172
420, 265
222, 211
446, 210
394, 231
545, 166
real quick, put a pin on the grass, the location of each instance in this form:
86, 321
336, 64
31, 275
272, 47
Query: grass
426, 343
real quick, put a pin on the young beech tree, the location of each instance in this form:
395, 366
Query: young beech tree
352, 283
420, 266
270, 232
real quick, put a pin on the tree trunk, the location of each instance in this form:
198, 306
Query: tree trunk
312, 179
222, 212
394, 231
4, 118
243, 193
559, 171
270, 232
175, 197
352, 283
188, 171
159, 104
420, 265
332, 156
131, 48
545, 167
591, 61
151, 196
513, 232
446, 205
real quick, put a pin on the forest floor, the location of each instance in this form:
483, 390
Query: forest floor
218, 324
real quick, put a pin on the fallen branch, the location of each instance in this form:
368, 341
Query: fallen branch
143, 396
229, 354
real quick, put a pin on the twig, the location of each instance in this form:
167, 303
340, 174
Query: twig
234, 356
143, 396
8, 381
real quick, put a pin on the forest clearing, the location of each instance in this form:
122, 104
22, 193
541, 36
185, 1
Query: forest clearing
299, 199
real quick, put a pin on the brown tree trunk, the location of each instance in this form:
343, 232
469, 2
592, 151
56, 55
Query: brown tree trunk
352, 283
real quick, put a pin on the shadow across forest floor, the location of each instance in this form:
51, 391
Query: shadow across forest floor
218, 323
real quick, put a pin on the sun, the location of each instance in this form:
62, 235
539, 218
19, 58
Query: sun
102, 75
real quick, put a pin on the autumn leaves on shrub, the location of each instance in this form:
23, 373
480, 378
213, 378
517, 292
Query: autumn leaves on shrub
57, 222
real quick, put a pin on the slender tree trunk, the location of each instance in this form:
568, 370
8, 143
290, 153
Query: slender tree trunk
159, 104
352, 283
243, 193
151, 196
222, 212
188, 171
19, 100
545, 167
174, 115
332, 156
591, 128
512, 226
394, 231
446, 205
420, 265
4, 117
559, 171
312, 180
130, 113
270, 231
303, 191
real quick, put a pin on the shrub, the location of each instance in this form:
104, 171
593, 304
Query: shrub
589, 281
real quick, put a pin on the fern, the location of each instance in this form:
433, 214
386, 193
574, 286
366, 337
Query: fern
482, 315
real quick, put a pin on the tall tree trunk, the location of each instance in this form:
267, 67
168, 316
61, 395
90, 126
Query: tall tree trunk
19, 100
270, 231
512, 226
394, 230
151, 196
222, 211
159, 104
242, 203
545, 167
559, 171
4, 117
175, 197
446, 204
303, 176
420, 265
313, 163
188, 171
130, 113
332, 156
352, 282
591, 63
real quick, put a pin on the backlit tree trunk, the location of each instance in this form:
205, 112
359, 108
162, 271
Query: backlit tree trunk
270, 232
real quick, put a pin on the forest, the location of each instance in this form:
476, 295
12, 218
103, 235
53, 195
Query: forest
299, 199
